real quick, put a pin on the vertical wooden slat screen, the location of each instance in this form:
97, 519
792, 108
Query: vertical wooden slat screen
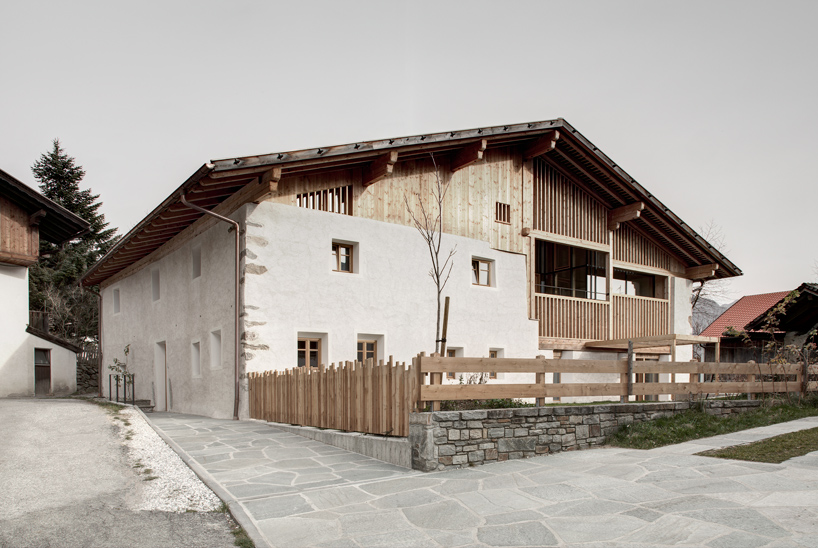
632, 247
355, 397
561, 207
570, 318
640, 316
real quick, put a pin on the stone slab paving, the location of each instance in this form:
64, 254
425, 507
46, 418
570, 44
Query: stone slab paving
299, 492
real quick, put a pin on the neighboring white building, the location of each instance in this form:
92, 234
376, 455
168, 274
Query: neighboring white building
557, 251
31, 360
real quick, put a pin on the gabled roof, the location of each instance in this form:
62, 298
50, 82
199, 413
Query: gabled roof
58, 225
801, 314
743, 312
217, 181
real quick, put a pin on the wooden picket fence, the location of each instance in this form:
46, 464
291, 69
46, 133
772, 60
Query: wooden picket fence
353, 396
377, 398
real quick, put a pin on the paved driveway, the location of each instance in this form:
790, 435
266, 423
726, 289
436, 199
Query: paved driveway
299, 492
65, 482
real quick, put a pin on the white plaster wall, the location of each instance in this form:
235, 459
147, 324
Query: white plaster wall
681, 323
187, 311
17, 346
390, 294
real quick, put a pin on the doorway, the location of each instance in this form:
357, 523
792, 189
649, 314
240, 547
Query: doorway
160, 376
42, 372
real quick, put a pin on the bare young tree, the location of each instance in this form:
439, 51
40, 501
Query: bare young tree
714, 289
429, 223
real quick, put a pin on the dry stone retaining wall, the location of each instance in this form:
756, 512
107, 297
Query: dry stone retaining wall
455, 439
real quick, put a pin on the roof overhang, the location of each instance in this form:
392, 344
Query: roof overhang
56, 224
255, 176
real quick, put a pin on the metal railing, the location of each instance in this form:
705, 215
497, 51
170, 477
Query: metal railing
126, 382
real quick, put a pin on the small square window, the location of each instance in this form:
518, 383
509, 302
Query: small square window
116, 301
502, 213
493, 354
481, 272
451, 353
342, 258
367, 350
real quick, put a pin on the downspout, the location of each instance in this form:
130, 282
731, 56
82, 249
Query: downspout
237, 227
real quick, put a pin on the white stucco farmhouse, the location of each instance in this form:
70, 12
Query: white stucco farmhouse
558, 252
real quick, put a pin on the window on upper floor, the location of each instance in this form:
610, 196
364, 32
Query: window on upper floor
116, 302
629, 282
502, 213
570, 271
196, 359
481, 272
342, 257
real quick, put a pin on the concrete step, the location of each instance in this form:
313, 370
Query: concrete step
145, 405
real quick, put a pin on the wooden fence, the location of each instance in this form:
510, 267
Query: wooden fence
377, 398
704, 378
355, 397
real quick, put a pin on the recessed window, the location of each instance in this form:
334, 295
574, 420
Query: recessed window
367, 350
116, 301
502, 213
309, 352
481, 272
155, 284
570, 271
451, 353
342, 257
216, 349
195, 359
494, 354
628, 282
196, 262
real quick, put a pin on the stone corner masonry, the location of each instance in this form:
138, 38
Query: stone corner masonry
456, 439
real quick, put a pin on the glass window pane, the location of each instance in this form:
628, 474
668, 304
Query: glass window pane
313, 345
313, 359
302, 360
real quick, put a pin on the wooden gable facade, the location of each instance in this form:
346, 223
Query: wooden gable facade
601, 251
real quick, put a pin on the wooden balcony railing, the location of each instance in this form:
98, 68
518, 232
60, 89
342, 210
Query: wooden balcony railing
640, 316
570, 318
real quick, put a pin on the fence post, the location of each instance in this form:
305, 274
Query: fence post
540, 380
630, 369
435, 378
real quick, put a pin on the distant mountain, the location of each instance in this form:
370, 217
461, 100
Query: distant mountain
705, 312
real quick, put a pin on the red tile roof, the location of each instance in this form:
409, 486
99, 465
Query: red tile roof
743, 311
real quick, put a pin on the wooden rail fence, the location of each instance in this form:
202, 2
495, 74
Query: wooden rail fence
353, 396
377, 398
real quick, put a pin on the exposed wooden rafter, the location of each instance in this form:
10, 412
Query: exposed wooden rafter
380, 168
625, 213
701, 272
269, 183
469, 155
543, 145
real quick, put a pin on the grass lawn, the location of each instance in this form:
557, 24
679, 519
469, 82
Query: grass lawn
776, 450
695, 424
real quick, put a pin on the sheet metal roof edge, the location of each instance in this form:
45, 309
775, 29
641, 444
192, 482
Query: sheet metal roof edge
71, 223
167, 202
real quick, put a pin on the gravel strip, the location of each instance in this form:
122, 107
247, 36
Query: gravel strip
169, 485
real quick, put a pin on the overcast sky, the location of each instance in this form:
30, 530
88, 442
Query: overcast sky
709, 105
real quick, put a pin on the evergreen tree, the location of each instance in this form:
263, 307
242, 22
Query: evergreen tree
53, 280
